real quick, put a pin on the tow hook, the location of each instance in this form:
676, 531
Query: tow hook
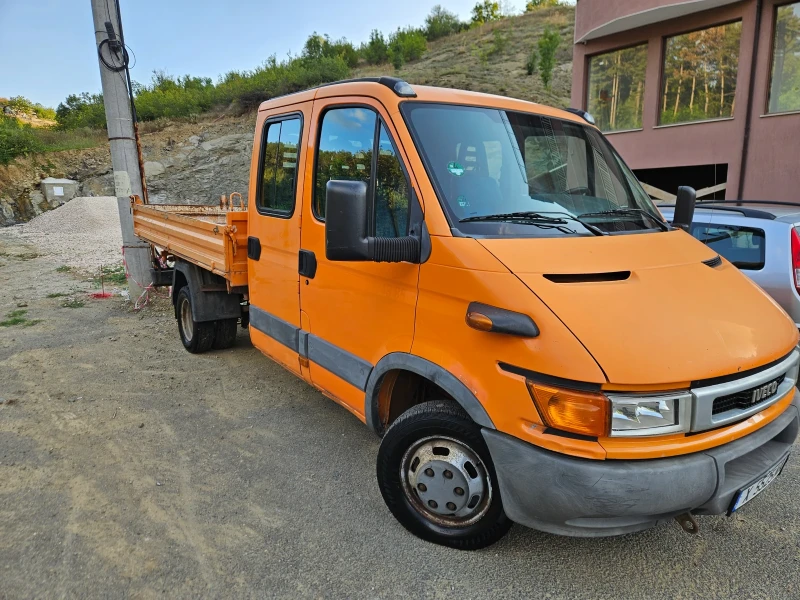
687, 523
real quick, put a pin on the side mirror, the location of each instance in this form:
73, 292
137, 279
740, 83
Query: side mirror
346, 237
684, 207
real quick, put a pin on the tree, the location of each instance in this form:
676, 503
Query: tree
376, 51
406, 45
548, 44
486, 11
441, 23
532, 5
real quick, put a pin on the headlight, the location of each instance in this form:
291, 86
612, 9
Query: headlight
636, 415
598, 415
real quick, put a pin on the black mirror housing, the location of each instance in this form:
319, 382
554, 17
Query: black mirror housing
346, 236
684, 207
346, 221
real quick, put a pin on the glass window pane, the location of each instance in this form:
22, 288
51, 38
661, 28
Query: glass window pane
345, 150
286, 170
743, 246
270, 166
391, 200
699, 75
784, 92
616, 88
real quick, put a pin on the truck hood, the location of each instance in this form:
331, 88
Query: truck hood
647, 307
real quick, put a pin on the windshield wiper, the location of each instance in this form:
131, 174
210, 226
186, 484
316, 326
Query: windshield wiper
534, 218
629, 211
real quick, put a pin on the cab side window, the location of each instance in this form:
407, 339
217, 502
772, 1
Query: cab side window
279, 166
391, 191
355, 146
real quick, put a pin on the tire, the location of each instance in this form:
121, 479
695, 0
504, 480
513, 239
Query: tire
421, 435
196, 337
225, 333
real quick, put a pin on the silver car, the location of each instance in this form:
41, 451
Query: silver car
759, 237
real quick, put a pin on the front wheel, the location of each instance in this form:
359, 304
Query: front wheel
437, 478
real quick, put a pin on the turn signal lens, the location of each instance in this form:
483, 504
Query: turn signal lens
479, 321
585, 413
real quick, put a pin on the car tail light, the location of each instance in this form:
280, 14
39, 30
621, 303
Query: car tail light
796, 258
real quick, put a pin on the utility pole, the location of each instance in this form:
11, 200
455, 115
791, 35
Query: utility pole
124, 155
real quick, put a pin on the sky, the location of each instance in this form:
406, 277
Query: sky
47, 47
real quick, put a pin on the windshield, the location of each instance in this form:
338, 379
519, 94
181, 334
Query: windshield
503, 173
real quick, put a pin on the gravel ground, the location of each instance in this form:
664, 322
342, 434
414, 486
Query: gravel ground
84, 234
130, 468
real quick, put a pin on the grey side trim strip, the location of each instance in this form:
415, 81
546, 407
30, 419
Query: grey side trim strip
351, 368
274, 327
431, 371
302, 348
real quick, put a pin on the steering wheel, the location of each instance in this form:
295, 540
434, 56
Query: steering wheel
579, 191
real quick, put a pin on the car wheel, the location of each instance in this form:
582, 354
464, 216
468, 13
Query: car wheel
196, 337
437, 478
225, 333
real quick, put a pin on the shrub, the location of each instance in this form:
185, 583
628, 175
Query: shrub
441, 23
16, 139
81, 110
532, 62
486, 11
376, 50
548, 44
532, 5
406, 45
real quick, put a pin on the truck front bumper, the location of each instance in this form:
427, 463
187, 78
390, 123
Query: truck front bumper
592, 498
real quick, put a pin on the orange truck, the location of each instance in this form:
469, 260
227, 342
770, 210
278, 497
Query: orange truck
485, 284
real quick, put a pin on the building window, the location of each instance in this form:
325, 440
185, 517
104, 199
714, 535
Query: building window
616, 88
699, 76
784, 90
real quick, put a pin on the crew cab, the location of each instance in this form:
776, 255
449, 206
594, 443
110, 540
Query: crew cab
484, 283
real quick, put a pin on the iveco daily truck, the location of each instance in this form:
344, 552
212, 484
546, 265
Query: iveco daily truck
485, 284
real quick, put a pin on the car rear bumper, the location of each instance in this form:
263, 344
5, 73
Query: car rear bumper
589, 498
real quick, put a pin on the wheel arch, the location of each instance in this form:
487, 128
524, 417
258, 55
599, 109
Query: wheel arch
210, 298
401, 362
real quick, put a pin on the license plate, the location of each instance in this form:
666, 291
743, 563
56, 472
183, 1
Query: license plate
754, 489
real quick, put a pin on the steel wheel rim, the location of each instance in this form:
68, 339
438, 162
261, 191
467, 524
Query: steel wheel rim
187, 322
446, 481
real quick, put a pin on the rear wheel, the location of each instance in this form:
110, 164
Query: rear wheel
225, 333
196, 337
437, 478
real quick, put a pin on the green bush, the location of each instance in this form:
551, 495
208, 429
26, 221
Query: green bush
548, 44
486, 11
441, 23
533, 61
406, 45
16, 139
318, 46
376, 50
22, 106
81, 110
532, 5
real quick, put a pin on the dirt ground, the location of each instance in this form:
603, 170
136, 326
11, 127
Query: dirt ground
132, 469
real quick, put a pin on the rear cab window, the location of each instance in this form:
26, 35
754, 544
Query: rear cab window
277, 183
742, 246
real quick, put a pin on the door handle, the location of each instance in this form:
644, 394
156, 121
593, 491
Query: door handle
253, 248
307, 264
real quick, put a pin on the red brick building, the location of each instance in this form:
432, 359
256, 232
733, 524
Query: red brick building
699, 92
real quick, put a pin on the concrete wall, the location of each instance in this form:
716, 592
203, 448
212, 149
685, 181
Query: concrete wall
774, 140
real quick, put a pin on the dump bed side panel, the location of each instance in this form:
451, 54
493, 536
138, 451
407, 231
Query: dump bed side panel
206, 236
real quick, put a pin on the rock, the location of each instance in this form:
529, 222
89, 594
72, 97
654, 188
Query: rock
153, 169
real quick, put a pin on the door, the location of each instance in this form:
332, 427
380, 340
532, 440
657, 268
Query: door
355, 313
274, 233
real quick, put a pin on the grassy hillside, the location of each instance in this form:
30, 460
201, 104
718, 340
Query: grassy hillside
476, 60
